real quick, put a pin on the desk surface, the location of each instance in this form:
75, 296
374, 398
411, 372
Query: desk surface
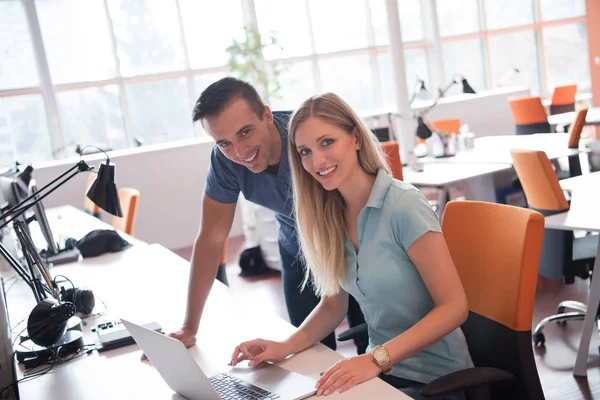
496, 149
439, 174
149, 283
592, 117
583, 213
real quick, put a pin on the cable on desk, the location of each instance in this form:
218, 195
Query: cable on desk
48, 364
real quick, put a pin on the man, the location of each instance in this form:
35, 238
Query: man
250, 156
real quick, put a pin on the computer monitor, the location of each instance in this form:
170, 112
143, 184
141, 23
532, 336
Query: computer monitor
12, 193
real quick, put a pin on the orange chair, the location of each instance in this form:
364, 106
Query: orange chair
392, 152
496, 251
529, 115
447, 125
88, 205
563, 256
575, 130
563, 99
129, 198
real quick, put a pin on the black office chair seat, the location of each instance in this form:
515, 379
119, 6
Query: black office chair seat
584, 253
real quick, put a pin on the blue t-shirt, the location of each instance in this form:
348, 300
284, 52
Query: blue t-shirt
387, 284
226, 179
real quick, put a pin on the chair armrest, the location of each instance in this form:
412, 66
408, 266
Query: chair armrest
359, 331
465, 379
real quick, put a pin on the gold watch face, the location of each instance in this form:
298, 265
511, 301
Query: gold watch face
380, 354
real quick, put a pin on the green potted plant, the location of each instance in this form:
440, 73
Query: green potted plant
246, 61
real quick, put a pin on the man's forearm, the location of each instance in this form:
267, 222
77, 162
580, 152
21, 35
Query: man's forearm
203, 270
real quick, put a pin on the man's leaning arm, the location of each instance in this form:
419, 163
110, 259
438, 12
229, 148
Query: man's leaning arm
217, 219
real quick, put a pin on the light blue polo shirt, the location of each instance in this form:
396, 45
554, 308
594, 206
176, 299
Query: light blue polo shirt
387, 284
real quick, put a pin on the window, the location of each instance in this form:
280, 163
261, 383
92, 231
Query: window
332, 31
24, 130
17, 59
457, 17
92, 116
464, 58
210, 27
416, 66
411, 21
148, 36
508, 13
349, 77
160, 111
515, 50
78, 48
567, 58
288, 21
561, 9
297, 85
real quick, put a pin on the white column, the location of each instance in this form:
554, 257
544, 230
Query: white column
56, 137
404, 127
436, 60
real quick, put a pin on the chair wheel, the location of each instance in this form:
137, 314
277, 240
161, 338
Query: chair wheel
539, 339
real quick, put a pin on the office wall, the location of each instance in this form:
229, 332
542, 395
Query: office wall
593, 28
170, 178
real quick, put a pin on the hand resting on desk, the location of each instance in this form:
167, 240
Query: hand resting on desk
184, 335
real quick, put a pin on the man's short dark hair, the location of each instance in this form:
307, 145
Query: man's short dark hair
219, 95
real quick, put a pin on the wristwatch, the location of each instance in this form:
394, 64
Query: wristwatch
381, 357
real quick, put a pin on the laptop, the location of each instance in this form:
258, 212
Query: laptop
182, 373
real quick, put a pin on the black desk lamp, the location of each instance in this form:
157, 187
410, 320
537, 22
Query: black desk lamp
423, 130
47, 322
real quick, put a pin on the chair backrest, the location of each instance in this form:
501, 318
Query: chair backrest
392, 152
447, 125
529, 115
129, 198
576, 128
88, 205
539, 181
496, 251
564, 95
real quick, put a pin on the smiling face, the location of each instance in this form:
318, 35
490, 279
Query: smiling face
327, 152
244, 138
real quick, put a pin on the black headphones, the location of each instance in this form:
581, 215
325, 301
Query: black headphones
83, 299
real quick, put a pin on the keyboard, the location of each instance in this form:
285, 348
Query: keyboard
232, 388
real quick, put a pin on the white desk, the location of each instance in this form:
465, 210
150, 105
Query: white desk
592, 117
476, 181
583, 215
496, 149
149, 283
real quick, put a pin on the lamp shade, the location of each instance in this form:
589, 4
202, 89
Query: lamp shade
103, 191
423, 130
466, 87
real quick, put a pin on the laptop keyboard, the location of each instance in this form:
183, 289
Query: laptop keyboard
231, 388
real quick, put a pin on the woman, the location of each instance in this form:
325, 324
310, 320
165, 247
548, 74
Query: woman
364, 233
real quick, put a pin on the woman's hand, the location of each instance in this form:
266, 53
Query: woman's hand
347, 373
259, 350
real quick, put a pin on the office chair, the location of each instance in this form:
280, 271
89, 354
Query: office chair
529, 115
562, 253
496, 251
563, 99
391, 150
447, 125
575, 130
129, 202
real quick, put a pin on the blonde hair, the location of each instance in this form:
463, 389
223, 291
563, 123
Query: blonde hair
320, 213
